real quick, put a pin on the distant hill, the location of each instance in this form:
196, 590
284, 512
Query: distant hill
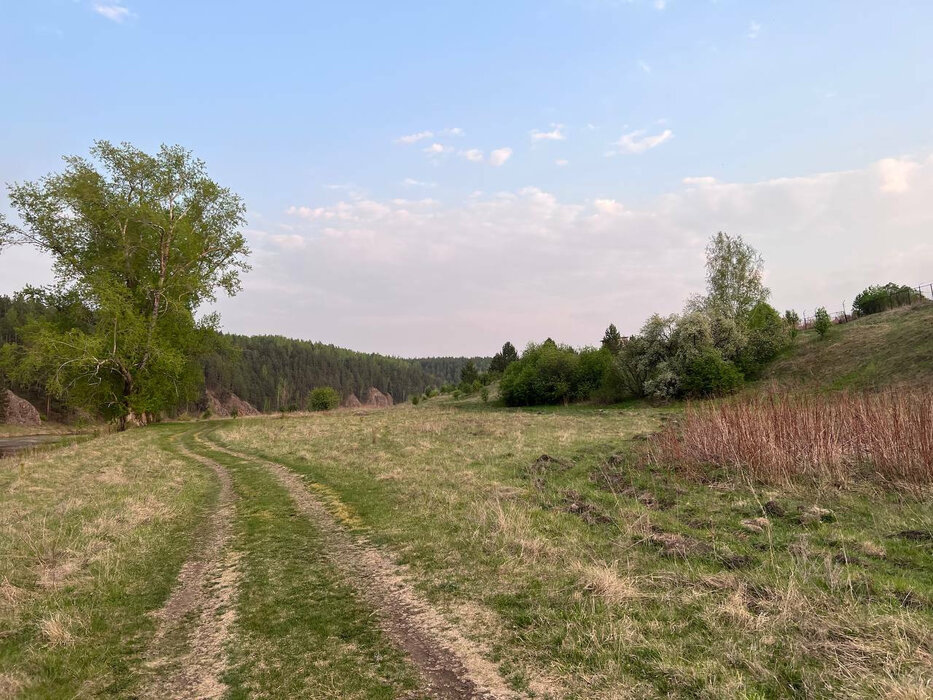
447, 369
276, 373
886, 349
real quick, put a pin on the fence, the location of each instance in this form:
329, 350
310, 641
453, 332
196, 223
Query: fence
888, 300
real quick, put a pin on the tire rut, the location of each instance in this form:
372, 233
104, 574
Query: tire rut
187, 656
450, 665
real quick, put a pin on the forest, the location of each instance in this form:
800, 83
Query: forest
276, 374
273, 373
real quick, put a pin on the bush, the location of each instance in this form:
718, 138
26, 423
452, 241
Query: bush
710, 375
767, 337
882, 297
484, 394
821, 321
792, 321
415, 400
323, 398
545, 374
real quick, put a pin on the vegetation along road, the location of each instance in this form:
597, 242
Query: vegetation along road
447, 550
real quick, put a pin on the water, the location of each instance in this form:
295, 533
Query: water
11, 445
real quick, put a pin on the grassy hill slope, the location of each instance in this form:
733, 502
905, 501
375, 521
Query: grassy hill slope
886, 349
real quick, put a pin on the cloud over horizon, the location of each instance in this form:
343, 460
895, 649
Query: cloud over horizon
415, 276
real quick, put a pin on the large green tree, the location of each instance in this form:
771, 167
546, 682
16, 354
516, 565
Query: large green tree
144, 240
503, 358
612, 340
733, 277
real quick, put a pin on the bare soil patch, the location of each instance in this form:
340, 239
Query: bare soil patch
451, 665
187, 659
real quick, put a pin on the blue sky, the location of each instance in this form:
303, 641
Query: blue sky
572, 156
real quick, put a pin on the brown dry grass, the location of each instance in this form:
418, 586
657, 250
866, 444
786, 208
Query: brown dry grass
779, 438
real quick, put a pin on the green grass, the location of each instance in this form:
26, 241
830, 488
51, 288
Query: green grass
300, 631
91, 539
593, 577
585, 574
890, 348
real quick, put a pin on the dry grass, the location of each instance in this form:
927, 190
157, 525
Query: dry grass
88, 534
779, 438
613, 580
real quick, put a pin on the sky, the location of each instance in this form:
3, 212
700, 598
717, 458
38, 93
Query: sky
435, 178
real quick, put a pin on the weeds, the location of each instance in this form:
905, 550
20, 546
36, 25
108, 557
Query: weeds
780, 438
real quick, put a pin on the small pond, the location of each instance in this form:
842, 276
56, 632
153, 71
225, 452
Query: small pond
11, 445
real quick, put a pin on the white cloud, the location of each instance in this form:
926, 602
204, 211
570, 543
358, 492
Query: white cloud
414, 138
417, 277
411, 182
660, 4
699, 181
896, 174
639, 142
608, 206
499, 156
555, 134
474, 155
644, 66
113, 11
754, 29
436, 149
561, 162
428, 134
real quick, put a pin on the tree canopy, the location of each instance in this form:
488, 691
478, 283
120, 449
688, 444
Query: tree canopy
733, 277
143, 240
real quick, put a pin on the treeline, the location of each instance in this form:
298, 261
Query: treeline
271, 372
277, 374
720, 341
446, 370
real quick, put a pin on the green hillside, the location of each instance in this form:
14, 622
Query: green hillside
886, 349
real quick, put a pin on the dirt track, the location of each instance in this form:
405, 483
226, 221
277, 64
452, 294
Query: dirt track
187, 659
451, 666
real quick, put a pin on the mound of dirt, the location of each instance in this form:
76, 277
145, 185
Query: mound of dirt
225, 403
351, 402
20, 411
376, 399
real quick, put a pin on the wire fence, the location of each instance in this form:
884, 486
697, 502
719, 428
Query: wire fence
885, 301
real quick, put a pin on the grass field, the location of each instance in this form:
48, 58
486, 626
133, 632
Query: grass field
534, 553
886, 349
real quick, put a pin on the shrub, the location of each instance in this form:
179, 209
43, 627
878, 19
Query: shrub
792, 321
415, 400
835, 438
878, 298
323, 398
821, 321
545, 374
767, 337
484, 394
710, 375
